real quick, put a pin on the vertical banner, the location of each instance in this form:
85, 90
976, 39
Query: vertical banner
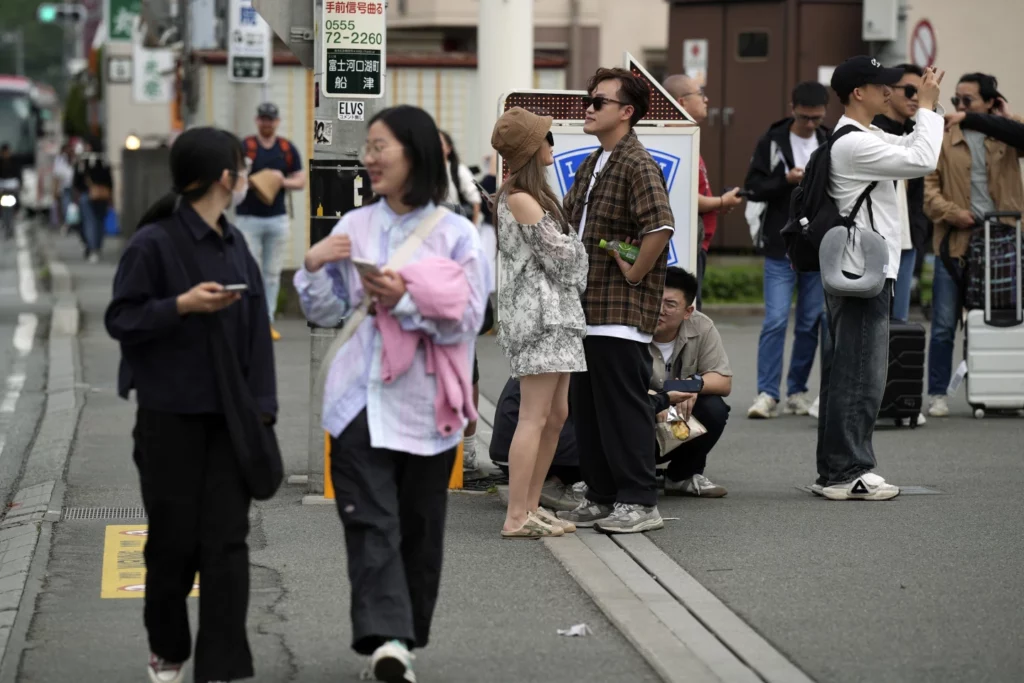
250, 44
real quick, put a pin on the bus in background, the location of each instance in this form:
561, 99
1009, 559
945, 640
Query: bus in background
30, 122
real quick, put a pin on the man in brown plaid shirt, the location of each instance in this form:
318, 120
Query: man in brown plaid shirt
619, 194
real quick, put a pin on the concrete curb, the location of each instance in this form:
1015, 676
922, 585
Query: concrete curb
40, 497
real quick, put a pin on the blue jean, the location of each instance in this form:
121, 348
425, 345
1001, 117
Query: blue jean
267, 238
853, 373
904, 283
92, 223
945, 312
779, 282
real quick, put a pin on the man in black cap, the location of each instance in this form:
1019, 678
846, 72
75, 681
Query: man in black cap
265, 226
865, 161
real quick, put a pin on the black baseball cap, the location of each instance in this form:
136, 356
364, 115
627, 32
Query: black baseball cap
268, 110
859, 71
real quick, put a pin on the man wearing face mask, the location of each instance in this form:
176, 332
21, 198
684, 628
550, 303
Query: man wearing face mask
976, 175
916, 227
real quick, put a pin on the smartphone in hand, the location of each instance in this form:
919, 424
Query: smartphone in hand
366, 267
236, 288
689, 386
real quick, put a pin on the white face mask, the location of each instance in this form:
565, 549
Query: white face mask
238, 196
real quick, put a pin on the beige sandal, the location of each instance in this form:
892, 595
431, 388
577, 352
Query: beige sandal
549, 517
534, 527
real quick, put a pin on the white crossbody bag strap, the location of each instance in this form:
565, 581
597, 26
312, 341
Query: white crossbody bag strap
397, 260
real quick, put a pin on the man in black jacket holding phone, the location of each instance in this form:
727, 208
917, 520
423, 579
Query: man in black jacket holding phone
776, 168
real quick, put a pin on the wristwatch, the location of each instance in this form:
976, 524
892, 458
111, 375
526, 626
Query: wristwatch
700, 381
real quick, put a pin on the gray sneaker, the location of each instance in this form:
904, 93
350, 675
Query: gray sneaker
697, 485
630, 518
557, 496
586, 514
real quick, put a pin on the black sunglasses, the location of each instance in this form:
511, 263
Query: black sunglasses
909, 91
966, 99
551, 139
598, 102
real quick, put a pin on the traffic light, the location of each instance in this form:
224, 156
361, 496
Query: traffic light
49, 13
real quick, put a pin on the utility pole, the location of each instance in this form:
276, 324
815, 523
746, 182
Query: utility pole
504, 41
349, 84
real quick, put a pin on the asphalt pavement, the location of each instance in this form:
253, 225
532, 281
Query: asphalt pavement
925, 588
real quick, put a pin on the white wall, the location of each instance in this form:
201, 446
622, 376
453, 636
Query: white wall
633, 27
983, 35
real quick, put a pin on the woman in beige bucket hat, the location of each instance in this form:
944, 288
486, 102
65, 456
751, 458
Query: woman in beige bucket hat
540, 318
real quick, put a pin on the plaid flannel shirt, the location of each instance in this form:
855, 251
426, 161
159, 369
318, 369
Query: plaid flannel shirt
629, 199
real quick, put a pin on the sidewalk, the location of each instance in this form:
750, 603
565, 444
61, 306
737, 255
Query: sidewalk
500, 605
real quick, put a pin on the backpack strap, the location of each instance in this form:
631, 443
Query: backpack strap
286, 147
250, 148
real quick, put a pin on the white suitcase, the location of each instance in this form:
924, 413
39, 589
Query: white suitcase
994, 343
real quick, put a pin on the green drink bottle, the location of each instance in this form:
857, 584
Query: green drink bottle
628, 252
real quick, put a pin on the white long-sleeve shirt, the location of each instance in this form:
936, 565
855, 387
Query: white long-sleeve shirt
858, 160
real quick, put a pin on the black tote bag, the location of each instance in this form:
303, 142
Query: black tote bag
253, 437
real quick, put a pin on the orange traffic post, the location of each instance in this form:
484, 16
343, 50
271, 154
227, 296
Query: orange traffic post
328, 484
455, 482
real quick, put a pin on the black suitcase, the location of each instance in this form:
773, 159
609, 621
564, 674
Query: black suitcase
904, 381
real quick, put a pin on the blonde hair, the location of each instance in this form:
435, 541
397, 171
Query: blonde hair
532, 179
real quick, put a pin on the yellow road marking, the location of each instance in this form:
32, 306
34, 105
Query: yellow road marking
124, 567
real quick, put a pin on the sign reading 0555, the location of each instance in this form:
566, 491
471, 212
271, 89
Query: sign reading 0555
341, 31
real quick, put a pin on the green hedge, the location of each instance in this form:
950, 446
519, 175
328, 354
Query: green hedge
740, 284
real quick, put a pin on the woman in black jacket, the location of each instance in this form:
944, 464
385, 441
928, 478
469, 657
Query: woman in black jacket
193, 488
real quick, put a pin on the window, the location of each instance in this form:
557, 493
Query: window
752, 45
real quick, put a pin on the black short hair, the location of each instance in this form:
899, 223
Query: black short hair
988, 86
632, 90
198, 159
911, 69
683, 280
416, 131
809, 94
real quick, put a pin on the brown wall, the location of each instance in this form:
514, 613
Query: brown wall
590, 50
802, 35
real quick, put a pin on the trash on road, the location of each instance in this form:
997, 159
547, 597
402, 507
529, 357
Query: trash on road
577, 630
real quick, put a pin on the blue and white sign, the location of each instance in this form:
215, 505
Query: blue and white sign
675, 150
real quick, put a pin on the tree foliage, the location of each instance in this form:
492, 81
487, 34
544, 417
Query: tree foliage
43, 42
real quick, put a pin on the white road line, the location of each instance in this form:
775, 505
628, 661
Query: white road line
26, 276
25, 333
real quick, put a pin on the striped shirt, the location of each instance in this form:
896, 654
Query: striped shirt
400, 414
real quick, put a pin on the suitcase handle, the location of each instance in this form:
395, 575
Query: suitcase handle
988, 264
1002, 214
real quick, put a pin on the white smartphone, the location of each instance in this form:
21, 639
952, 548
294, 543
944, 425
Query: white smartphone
365, 267
236, 288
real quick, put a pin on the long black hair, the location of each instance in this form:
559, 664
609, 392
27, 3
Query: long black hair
453, 166
199, 157
416, 131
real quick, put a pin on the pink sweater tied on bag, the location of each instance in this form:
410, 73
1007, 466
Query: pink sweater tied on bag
440, 290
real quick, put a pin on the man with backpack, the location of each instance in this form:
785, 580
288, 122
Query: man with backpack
775, 170
847, 224
264, 220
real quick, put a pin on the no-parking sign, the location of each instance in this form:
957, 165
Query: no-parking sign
923, 45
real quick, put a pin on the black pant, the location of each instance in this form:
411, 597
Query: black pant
614, 422
198, 509
393, 507
691, 457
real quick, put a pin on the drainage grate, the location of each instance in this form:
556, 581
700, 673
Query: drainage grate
104, 513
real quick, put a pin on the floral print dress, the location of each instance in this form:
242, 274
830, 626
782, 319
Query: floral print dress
543, 274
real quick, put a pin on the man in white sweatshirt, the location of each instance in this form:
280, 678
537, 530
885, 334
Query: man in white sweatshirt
857, 347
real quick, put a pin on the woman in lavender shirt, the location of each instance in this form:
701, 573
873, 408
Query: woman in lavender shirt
390, 462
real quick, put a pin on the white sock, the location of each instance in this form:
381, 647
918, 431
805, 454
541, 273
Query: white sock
469, 452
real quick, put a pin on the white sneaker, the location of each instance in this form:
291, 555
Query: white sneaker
94, 258
868, 486
938, 406
920, 421
698, 485
392, 663
797, 404
162, 671
813, 409
764, 407
817, 489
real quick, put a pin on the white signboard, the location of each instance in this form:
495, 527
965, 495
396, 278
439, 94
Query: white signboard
674, 149
354, 54
119, 69
250, 44
153, 75
695, 59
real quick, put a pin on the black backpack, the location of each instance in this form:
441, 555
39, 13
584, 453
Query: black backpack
813, 212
